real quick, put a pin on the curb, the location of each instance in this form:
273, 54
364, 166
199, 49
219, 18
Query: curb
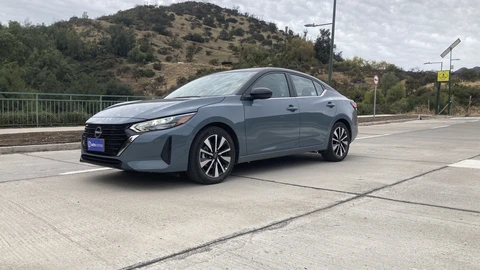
387, 122
39, 148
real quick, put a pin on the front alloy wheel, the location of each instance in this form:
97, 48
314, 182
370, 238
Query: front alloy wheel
339, 143
212, 156
215, 156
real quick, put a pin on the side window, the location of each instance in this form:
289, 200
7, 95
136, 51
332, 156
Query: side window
303, 86
319, 87
275, 82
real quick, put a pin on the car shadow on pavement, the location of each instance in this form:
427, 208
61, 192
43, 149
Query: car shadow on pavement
141, 181
278, 163
148, 181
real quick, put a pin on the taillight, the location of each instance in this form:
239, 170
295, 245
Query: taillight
354, 105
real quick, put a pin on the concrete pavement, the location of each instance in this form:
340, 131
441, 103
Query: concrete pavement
400, 200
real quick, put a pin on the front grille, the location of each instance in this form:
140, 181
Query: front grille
114, 136
102, 161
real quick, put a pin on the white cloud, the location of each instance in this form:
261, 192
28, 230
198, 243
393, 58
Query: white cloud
404, 32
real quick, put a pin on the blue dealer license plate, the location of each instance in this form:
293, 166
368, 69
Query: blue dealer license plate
97, 145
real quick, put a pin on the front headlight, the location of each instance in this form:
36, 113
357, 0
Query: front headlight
162, 123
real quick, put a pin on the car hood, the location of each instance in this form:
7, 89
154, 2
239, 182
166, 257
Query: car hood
135, 111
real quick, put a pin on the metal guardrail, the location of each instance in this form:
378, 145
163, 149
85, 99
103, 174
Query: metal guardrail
18, 109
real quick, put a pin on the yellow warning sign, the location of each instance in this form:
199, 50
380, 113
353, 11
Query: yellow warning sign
443, 76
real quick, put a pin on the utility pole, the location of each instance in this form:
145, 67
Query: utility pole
332, 42
330, 68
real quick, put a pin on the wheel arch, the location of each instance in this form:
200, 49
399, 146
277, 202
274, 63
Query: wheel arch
342, 119
223, 125
347, 124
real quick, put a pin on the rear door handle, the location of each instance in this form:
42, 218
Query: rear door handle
292, 108
330, 104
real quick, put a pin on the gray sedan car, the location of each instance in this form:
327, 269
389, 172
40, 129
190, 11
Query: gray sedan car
207, 126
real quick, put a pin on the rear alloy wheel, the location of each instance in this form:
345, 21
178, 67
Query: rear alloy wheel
212, 156
339, 143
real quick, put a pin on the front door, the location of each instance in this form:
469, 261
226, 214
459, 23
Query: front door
272, 124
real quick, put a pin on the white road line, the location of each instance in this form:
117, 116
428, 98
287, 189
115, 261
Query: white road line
440, 127
86, 171
373, 136
468, 163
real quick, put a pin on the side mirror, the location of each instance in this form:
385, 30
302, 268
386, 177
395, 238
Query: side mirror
261, 93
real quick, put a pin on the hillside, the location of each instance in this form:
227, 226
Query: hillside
178, 41
151, 50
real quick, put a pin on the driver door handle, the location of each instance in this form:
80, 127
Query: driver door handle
292, 108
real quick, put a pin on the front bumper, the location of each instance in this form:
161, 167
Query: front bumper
155, 151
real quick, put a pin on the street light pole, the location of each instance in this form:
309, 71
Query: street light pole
330, 67
449, 50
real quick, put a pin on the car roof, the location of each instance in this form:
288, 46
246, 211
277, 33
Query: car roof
270, 69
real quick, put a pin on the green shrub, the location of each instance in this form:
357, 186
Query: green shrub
148, 73
195, 38
157, 66
45, 118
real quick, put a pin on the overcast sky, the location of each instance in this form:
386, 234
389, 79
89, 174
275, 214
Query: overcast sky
404, 32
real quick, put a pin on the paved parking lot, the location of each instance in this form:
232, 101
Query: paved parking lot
408, 196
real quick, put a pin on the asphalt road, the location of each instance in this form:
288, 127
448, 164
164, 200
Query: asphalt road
408, 196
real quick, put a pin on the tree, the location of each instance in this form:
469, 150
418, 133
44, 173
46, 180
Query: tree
298, 54
239, 32
11, 78
136, 55
251, 55
322, 46
396, 93
121, 40
114, 87
469, 75
224, 35
387, 81
369, 97
209, 21
11, 48
194, 37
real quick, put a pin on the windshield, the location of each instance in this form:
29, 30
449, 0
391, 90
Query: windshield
219, 84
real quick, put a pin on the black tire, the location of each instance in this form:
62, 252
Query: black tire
338, 143
217, 160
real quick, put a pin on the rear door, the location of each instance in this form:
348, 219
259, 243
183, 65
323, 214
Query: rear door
272, 124
316, 110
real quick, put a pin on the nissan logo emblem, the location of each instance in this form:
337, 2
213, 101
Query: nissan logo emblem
98, 132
